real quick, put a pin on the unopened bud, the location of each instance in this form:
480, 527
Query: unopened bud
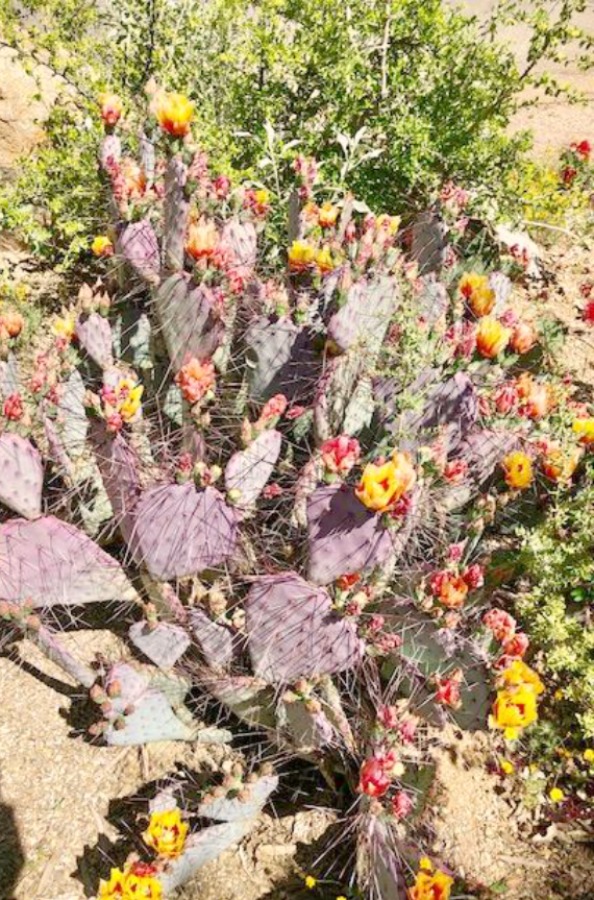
97, 694
119, 724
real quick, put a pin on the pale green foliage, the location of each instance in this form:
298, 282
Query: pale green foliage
558, 557
427, 89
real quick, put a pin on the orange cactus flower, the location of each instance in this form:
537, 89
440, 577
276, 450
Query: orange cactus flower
327, 215
430, 883
102, 246
537, 397
491, 337
134, 179
382, 486
478, 293
517, 468
202, 240
584, 428
196, 379
301, 256
111, 108
166, 833
174, 113
559, 465
523, 338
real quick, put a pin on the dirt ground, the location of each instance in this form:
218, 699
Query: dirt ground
57, 789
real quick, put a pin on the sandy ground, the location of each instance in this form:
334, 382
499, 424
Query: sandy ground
57, 790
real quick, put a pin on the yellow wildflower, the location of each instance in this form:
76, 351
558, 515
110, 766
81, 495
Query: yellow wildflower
556, 795
310, 882
430, 883
102, 246
507, 767
589, 755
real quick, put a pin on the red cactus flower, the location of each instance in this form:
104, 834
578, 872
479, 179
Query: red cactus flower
221, 186
583, 149
13, 407
347, 581
474, 576
448, 689
273, 409
455, 471
506, 398
449, 588
196, 379
272, 490
568, 175
373, 779
588, 312
516, 645
340, 454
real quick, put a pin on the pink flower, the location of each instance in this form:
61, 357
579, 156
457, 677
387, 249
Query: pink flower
114, 422
509, 318
402, 805
221, 186
294, 413
506, 398
195, 379
407, 729
340, 454
376, 622
474, 576
500, 623
588, 312
13, 407
272, 490
373, 779
462, 335
455, 471
516, 645
272, 410
456, 551
388, 717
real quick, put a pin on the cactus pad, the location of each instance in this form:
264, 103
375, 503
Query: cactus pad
189, 319
21, 475
163, 644
249, 470
94, 336
293, 632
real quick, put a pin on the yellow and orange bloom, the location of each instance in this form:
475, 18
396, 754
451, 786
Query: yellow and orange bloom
491, 337
174, 113
134, 179
523, 338
382, 486
323, 261
65, 327
430, 883
514, 709
196, 379
584, 429
136, 882
537, 397
449, 588
556, 795
301, 256
102, 246
519, 674
327, 215
166, 833
202, 240
478, 293
559, 465
111, 108
517, 469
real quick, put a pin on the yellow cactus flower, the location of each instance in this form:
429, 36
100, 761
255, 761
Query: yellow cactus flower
323, 261
114, 888
513, 710
556, 795
64, 327
174, 113
491, 337
517, 469
589, 755
102, 246
129, 395
559, 465
202, 239
388, 224
584, 428
519, 674
477, 292
310, 882
166, 833
327, 215
381, 487
430, 883
301, 256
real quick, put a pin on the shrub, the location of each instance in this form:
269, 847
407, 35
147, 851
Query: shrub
427, 94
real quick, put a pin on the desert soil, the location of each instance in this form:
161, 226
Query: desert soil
58, 792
